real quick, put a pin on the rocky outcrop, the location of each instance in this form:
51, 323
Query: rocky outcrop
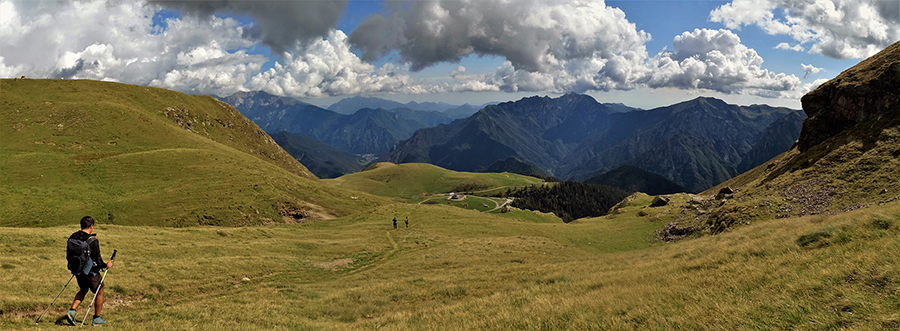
725, 193
659, 201
861, 93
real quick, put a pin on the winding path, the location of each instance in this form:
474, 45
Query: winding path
508, 201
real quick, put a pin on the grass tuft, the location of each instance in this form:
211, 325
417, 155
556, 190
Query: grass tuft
554, 280
454, 292
882, 222
815, 239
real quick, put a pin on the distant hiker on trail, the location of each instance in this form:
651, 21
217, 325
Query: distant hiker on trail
89, 277
407, 221
395, 222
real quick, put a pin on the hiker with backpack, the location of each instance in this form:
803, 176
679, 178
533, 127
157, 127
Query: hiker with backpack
85, 262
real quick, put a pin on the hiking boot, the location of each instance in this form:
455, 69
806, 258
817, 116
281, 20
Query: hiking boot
98, 321
70, 315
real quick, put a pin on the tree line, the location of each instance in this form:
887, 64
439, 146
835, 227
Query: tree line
568, 200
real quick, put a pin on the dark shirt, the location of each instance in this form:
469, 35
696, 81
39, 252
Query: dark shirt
95, 249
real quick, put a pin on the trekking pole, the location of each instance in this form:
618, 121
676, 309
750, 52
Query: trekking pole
54, 299
100, 286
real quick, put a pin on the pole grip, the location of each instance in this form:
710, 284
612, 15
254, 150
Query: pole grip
114, 255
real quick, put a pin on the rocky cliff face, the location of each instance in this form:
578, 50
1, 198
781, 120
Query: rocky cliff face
863, 92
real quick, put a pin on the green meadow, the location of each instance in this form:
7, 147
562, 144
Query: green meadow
461, 269
416, 182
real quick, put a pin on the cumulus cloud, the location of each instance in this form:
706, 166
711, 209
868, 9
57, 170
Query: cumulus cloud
550, 46
117, 41
786, 46
537, 36
840, 29
327, 67
280, 25
803, 89
716, 60
810, 69
458, 71
702, 59
564, 46
10, 71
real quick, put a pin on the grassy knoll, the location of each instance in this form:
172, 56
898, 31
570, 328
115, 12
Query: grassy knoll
531, 216
136, 155
471, 202
476, 271
412, 181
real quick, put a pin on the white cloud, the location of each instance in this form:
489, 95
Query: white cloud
116, 41
458, 71
702, 59
810, 69
840, 29
716, 60
563, 46
537, 36
800, 91
550, 46
327, 67
786, 46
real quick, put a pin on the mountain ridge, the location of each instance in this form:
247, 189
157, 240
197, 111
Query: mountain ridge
573, 136
366, 131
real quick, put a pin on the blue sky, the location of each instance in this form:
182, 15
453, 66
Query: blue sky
641, 53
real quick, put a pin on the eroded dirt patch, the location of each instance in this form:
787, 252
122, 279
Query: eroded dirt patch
334, 264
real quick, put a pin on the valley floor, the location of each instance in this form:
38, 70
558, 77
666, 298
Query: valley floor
465, 270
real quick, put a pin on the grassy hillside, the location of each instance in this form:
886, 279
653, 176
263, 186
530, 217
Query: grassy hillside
137, 155
411, 181
476, 272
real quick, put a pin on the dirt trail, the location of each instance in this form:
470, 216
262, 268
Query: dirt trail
508, 201
377, 264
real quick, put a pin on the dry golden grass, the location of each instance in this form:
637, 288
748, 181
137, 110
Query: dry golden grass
460, 269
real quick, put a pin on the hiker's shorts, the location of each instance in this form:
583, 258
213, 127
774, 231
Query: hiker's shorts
89, 282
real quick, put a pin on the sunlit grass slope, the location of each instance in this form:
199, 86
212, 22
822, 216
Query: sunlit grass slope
137, 155
465, 270
410, 181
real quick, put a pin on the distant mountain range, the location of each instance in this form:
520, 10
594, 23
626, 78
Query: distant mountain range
323, 160
365, 131
696, 144
351, 105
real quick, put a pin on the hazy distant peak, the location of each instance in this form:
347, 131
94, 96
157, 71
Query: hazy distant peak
260, 98
352, 104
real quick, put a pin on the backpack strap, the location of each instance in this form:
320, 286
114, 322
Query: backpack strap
90, 261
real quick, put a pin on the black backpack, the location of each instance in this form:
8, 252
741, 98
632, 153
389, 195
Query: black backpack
78, 255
